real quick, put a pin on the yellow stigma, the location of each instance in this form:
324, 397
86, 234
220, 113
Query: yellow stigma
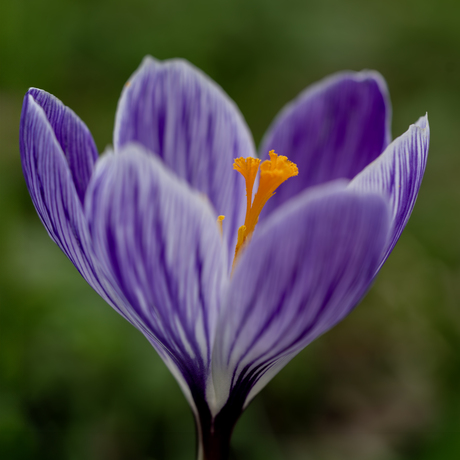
273, 173
220, 219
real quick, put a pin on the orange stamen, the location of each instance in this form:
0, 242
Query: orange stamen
273, 173
248, 168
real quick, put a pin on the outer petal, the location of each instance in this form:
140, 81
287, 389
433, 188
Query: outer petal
178, 113
51, 185
73, 136
158, 243
50, 181
397, 174
308, 266
332, 130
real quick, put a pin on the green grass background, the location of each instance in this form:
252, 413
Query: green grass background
77, 382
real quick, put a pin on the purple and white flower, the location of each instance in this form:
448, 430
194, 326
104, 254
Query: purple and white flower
139, 222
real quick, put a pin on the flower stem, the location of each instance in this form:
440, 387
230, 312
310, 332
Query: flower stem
214, 434
215, 446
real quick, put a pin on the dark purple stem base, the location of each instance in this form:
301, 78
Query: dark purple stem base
215, 433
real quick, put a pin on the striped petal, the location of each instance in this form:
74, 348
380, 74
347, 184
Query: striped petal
50, 180
333, 130
73, 137
54, 194
397, 174
308, 266
178, 113
159, 244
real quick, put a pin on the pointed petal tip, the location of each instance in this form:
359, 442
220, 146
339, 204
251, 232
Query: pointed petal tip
40, 96
70, 132
33, 92
148, 59
423, 123
30, 97
421, 127
149, 63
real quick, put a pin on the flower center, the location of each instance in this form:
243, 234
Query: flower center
273, 173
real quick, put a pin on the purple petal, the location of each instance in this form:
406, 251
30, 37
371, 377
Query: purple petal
53, 190
159, 244
306, 268
397, 174
53, 193
333, 130
72, 135
178, 113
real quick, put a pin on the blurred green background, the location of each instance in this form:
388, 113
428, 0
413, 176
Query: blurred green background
78, 382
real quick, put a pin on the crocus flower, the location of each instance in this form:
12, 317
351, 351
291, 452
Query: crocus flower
143, 223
